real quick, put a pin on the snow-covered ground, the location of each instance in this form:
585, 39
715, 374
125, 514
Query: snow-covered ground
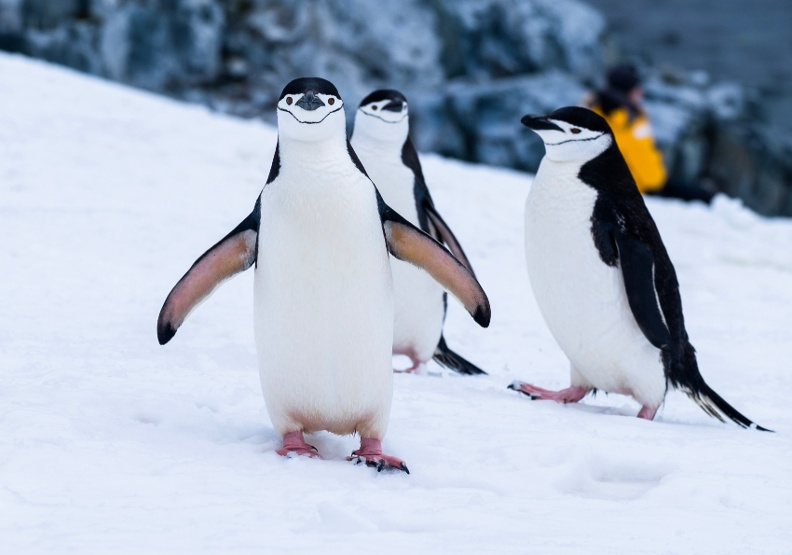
110, 443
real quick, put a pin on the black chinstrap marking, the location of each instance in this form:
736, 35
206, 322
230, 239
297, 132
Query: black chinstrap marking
576, 140
381, 119
311, 122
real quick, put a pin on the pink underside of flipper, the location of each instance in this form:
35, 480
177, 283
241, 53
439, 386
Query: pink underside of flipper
571, 394
370, 452
294, 444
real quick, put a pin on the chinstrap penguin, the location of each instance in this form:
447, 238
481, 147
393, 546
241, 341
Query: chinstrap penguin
381, 139
320, 237
601, 275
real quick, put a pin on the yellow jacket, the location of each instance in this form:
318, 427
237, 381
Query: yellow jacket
635, 141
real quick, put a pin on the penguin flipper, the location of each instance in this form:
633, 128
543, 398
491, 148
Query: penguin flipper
234, 253
447, 236
638, 271
407, 242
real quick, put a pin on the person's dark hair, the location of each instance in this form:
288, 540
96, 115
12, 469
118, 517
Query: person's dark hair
621, 80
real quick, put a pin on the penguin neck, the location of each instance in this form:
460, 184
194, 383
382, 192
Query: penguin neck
379, 136
371, 142
322, 154
379, 151
558, 181
565, 168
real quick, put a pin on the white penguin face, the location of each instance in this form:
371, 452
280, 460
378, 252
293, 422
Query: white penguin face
310, 109
572, 136
387, 111
383, 115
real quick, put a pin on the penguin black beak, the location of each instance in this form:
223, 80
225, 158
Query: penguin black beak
394, 106
538, 123
310, 101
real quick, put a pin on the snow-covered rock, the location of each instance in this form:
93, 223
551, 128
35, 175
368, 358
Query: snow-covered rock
713, 131
480, 120
503, 38
458, 61
358, 44
238, 55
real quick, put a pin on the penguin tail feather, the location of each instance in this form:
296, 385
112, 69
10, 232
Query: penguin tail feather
717, 407
694, 386
447, 358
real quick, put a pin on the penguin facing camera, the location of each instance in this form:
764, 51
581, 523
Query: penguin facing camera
381, 139
601, 275
319, 237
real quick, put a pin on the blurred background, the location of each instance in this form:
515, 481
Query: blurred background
717, 72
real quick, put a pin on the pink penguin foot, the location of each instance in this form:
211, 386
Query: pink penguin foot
294, 444
647, 413
569, 395
371, 454
411, 370
410, 353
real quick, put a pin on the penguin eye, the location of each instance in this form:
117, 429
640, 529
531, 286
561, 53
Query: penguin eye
374, 107
575, 130
331, 101
289, 100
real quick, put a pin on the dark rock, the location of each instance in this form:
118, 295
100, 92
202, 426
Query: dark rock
168, 47
360, 45
497, 38
754, 165
481, 121
470, 68
46, 14
709, 132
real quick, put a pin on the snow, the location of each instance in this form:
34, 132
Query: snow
110, 443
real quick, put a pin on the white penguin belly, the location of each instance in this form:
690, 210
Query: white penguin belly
324, 308
582, 300
419, 309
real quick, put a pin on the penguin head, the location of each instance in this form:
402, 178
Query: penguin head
310, 109
384, 116
571, 134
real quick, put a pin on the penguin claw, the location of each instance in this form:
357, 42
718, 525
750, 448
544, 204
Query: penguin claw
380, 463
515, 386
370, 454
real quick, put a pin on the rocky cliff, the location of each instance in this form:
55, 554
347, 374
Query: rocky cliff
470, 68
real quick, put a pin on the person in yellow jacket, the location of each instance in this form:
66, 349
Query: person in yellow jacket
620, 104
